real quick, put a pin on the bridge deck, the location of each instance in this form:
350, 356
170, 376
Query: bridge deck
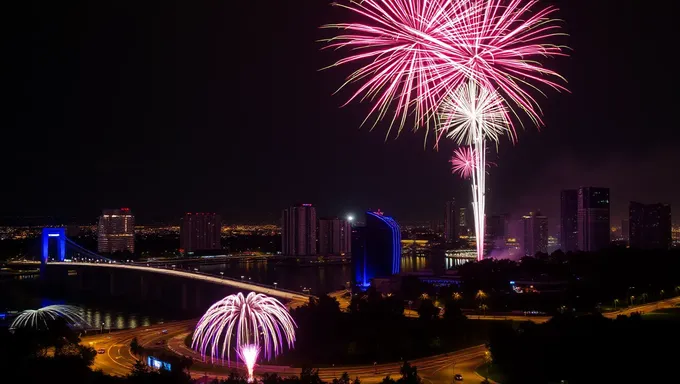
249, 286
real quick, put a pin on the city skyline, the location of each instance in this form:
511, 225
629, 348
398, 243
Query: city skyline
586, 140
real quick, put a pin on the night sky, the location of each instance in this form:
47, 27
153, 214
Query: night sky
167, 107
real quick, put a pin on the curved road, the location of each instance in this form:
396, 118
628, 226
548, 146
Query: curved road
118, 360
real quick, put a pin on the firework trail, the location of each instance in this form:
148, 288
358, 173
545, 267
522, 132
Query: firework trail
256, 319
472, 115
36, 318
248, 354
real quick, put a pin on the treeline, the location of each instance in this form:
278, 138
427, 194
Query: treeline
587, 349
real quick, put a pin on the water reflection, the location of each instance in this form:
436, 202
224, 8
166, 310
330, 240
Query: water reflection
319, 278
114, 320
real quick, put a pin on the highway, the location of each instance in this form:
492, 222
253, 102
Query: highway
118, 360
344, 300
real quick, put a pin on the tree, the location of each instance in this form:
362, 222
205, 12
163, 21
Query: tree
452, 311
310, 376
344, 379
427, 310
388, 380
409, 374
135, 348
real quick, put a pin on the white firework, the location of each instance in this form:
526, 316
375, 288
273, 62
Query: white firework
471, 115
36, 318
257, 320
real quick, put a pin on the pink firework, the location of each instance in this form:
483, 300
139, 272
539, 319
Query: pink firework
416, 52
463, 162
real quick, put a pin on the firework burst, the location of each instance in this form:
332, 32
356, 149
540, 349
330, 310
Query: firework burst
37, 318
473, 112
416, 52
463, 162
256, 319
465, 64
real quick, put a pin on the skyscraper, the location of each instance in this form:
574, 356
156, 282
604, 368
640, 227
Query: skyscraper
497, 227
335, 236
569, 220
650, 226
625, 230
593, 218
376, 248
462, 222
298, 230
451, 222
116, 231
535, 237
200, 232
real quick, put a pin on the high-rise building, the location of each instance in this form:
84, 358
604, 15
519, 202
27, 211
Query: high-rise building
376, 249
569, 220
650, 226
116, 231
298, 230
335, 236
535, 237
593, 218
625, 230
451, 222
200, 232
462, 222
497, 227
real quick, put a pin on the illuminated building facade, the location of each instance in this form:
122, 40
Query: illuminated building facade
593, 218
462, 222
116, 231
535, 234
451, 222
650, 226
298, 230
200, 232
335, 236
376, 249
569, 220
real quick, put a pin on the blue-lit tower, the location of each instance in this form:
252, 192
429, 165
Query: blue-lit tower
60, 235
376, 249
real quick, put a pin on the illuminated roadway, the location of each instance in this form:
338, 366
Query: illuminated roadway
344, 301
118, 360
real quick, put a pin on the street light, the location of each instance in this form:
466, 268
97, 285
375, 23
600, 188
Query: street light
222, 273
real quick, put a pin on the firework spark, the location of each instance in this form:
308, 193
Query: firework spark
416, 52
473, 112
463, 162
37, 318
248, 354
255, 319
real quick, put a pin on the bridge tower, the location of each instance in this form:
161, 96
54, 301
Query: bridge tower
60, 235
